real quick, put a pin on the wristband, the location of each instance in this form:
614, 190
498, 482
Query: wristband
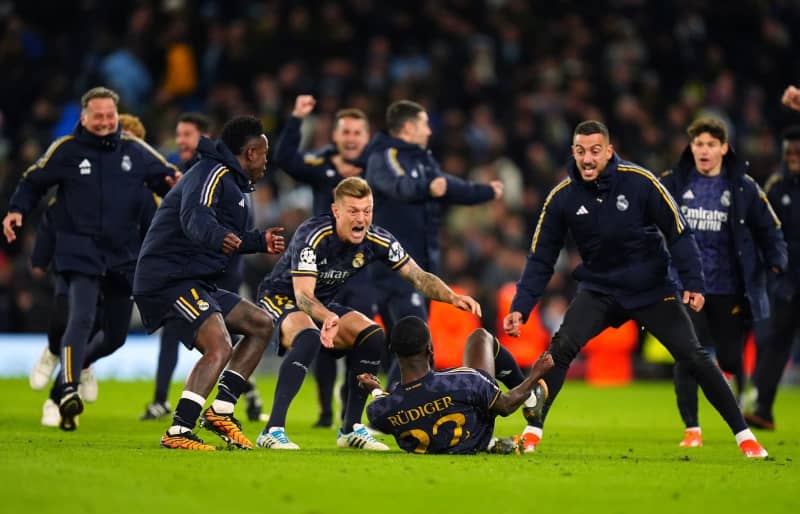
378, 393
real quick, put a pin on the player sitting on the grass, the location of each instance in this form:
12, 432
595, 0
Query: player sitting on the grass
323, 254
453, 410
200, 225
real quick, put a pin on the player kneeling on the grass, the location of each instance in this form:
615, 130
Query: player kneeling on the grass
200, 225
323, 254
452, 410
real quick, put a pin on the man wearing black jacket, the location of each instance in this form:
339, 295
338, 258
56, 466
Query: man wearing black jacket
623, 221
739, 238
783, 191
196, 231
100, 172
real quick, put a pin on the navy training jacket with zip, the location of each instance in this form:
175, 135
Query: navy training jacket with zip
783, 191
99, 198
626, 226
186, 235
400, 174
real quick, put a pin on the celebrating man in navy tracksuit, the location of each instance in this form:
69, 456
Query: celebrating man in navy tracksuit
100, 172
200, 225
739, 238
623, 220
783, 191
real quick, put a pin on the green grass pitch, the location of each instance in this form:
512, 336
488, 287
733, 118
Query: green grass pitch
605, 451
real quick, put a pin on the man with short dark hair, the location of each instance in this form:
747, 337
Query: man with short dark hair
190, 128
100, 172
628, 230
411, 191
739, 238
300, 293
453, 410
200, 225
783, 191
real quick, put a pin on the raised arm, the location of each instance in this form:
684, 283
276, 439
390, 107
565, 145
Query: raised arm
287, 155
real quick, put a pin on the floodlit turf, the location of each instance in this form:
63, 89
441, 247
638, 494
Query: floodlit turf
605, 450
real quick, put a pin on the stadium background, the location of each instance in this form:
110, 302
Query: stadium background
504, 82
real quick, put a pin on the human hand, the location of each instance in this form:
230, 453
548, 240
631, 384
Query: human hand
368, 381
329, 330
438, 187
12, 219
791, 98
171, 181
498, 189
467, 303
694, 300
231, 243
276, 243
512, 323
303, 105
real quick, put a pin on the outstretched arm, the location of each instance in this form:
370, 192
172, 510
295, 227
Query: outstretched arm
508, 402
432, 287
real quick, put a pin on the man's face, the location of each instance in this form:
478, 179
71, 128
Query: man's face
187, 137
100, 116
418, 130
791, 156
255, 157
350, 137
591, 153
353, 218
708, 152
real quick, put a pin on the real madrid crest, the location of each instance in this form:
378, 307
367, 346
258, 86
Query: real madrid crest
126, 163
725, 199
786, 199
202, 305
358, 260
622, 203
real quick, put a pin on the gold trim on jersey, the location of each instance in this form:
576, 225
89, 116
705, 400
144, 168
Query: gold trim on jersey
41, 162
391, 157
402, 261
561, 185
313, 160
763, 196
661, 190
319, 236
377, 240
